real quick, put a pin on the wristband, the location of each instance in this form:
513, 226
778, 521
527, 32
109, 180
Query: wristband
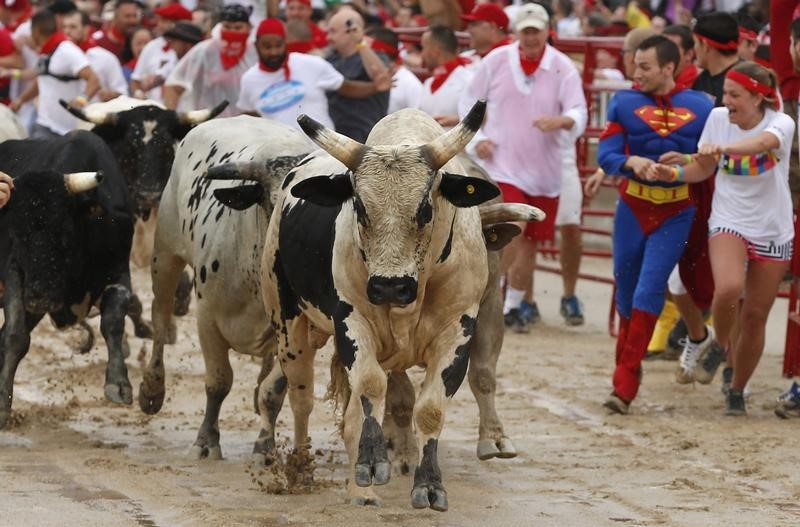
82, 99
689, 158
360, 45
677, 173
16, 74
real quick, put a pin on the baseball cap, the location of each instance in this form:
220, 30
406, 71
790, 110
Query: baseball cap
185, 31
531, 15
489, 13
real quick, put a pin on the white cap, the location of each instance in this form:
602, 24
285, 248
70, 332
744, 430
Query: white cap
531, 15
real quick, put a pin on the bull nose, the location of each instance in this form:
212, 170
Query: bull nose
383, 290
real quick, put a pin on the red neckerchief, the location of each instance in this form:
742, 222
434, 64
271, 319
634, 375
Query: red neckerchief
24, 17
304, 46
52, 43
165, 47
441, 73
529, 66
234, 45
87, 44
131, 63
284, 67
506, 41
687, 76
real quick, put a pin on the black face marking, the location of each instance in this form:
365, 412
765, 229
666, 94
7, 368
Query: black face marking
345, 346
449, 243
453, 375
215, 265
361, 212
424, 212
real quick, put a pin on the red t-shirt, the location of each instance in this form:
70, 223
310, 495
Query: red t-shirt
6, 49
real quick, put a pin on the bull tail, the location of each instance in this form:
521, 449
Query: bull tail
338, 389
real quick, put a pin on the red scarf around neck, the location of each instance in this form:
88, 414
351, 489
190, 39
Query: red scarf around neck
441, 73
234, 45
87, 44
529, 66
52, 43
284, 67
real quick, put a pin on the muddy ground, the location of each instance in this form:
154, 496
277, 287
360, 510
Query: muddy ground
71, 458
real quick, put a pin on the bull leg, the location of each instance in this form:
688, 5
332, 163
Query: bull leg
267, 364
446, 368
219, 379
15, 340
141, 328
88, 342
484, 352
271, 392
363, 434
183, 295
113, 308
165, 271
401, 444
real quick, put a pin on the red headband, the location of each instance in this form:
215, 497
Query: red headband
391, 51
271, 26
747, 34
730, 45
750, 84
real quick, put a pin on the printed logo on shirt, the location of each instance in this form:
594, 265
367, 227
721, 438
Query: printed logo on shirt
751, 165
664, 121
280, 96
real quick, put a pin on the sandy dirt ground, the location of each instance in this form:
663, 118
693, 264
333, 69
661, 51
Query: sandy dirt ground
73, 459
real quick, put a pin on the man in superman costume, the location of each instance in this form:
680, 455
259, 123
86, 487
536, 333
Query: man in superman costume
653, 219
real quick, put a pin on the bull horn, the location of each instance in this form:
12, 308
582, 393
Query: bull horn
82, 181
509, 212
348, 151
445, 147
90, 115
200, 116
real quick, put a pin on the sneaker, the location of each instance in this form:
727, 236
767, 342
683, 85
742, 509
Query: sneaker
734, 403
676, 336
709, 364
617, 405
692, 351
727, 379
789, 403
529, 312
572, 310
514, 321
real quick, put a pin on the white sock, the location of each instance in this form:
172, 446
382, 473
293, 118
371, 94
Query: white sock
513, 299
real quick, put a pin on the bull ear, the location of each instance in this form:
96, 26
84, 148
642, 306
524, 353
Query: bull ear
465, 191
325, 191
240, 198
499, 235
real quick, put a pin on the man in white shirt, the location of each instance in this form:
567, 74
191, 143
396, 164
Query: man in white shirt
157, 58
104, 63
64, 73
284, 85
450, 78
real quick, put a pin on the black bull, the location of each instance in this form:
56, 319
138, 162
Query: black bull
62, 252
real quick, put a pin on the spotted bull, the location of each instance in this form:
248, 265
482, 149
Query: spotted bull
199, 226
66, 248
380, 246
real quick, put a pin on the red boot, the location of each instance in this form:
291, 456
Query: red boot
627, 375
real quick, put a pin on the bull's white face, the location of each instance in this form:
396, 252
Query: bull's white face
394, 206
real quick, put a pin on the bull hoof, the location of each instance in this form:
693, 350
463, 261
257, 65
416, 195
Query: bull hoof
379, 474
425, 496
150, 403
119, 393
502, 448
507, 450
143, 330
213, 453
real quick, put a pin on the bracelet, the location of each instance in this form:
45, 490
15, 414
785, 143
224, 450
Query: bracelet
689, 158
16, 74
677, 173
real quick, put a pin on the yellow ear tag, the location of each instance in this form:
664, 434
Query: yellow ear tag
470, 189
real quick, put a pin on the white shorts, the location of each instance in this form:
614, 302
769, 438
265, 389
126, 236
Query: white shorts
570, 200
675, 284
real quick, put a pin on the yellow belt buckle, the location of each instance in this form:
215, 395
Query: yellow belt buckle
657, 195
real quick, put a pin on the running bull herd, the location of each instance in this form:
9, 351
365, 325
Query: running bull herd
388, 247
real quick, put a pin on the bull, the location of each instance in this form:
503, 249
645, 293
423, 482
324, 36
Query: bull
380, 246
66, 250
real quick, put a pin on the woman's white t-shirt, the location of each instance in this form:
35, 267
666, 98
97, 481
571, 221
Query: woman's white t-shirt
751, 193
270, 95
